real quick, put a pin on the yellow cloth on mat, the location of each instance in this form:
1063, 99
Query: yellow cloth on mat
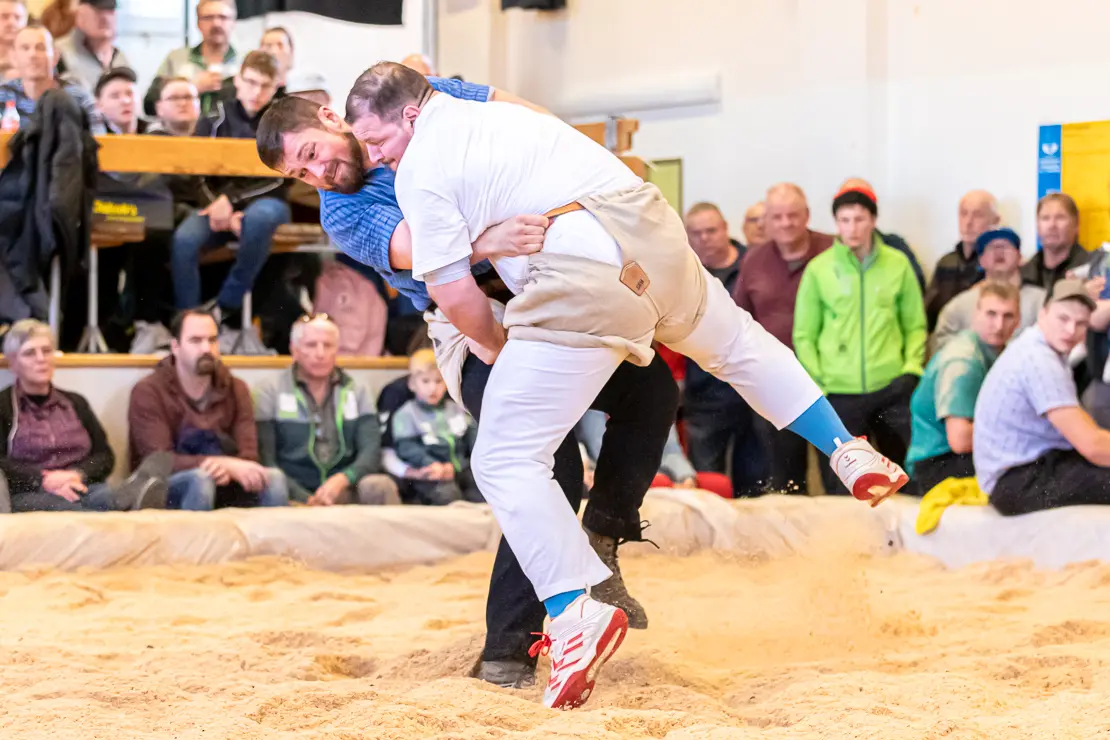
949, 492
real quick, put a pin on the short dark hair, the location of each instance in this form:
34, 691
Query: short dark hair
384, 89
119, 73
280, 29
177, 323
286, 115
262, 62
161, 83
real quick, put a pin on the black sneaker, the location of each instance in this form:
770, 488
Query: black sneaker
508, 674
613, 591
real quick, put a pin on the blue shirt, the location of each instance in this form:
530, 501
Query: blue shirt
13, 90
361, 224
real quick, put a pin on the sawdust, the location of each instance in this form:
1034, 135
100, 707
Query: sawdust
832, 645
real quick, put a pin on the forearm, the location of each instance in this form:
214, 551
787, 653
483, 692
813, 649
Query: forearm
467, 308
413, 452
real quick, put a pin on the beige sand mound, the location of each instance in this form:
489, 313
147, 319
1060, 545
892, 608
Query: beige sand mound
832, 646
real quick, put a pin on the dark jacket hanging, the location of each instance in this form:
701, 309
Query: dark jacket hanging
375, 12
46, 194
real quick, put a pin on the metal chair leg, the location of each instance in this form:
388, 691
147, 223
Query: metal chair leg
92, 340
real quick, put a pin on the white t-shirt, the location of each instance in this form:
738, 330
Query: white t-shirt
472, 165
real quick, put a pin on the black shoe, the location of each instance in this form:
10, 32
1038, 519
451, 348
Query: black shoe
613, 591
508, 674
148, 487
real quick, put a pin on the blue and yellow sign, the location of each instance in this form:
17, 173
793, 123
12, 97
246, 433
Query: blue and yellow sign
1075, 158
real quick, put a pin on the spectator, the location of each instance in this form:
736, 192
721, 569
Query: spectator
716, 418
13, 19
320, 427
1034, 446
34, 57
249, 209
755, 232
959, 269
116, 96
889, 239
767, 288
943, 406
278, 42
193, 407
434, 436
999, 253
208, 63
1058, 233
421, 63
55, 454
89, 51
177, 107
860, 329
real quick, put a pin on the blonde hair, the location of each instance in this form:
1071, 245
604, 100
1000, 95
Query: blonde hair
422, 361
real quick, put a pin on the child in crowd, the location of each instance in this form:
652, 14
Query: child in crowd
434, 436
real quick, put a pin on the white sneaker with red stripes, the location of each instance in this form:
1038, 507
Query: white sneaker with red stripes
867, 474
579, 642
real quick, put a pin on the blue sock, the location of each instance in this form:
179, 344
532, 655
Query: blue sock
820, 426
557, 603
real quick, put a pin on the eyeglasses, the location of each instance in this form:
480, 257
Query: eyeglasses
213, 18
179, 99
308, 318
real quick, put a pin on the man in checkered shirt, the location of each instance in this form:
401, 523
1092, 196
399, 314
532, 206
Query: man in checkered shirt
1034, 446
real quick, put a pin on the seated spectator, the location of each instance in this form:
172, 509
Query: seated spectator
890, 239
1058, 235
859, 329
208, 63
943, 406
33, 57
249, 209
767, 288
718, 421
89, 51
193, 407
1034, 446
434, 437
959, 269
177, 106
116, 99
320, 427
755, 232
999, 253
13, 19
278, 43
55, 454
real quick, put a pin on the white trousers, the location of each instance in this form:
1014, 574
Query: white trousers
537, 392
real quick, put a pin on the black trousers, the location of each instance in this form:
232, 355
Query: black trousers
787, 459
1058, 478
641, 403
710, 432
932, 470
883, 417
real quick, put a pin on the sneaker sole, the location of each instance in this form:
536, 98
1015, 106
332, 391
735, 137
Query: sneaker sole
877, 487
580, 685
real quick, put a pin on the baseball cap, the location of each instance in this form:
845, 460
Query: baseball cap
1002, 232
1071, 289
101, 4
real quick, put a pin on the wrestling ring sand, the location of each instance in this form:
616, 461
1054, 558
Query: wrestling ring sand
814, 622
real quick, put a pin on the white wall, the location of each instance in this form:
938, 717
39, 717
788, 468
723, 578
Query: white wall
927, 99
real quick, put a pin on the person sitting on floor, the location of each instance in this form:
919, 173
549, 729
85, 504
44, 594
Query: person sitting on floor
192, 406
1034, 446
320, 427
943, 406
434, 436
55, 455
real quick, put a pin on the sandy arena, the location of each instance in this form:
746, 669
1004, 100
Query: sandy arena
834, 646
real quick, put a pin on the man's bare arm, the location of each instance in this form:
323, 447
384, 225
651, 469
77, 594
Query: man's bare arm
500, 96
519, 236
1088, 438
466, 306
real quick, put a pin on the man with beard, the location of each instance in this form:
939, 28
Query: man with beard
192, 407
359, 211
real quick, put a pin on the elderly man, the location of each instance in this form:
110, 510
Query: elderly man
89, 51
360, 213
959, 269
55, 454
13, 18
208, 63
320, 427
767, 288
1034, 446
34, 58
999, 253
1058, 234
615, 274
716, 418
754, 230
943, 406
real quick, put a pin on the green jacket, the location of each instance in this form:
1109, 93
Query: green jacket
858, 327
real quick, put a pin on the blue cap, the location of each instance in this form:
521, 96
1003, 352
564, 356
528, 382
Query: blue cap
1003, 232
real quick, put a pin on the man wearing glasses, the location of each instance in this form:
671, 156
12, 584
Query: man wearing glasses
208, 63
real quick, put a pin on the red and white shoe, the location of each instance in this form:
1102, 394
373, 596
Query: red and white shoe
867, 474
579, 642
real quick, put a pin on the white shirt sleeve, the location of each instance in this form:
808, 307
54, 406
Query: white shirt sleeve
440, 235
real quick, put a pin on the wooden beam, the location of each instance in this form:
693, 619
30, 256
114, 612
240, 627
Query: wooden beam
182, 155
262, 362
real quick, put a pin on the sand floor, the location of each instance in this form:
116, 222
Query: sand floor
834, 646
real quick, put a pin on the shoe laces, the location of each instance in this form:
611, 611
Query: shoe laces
644, 524
541, 646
